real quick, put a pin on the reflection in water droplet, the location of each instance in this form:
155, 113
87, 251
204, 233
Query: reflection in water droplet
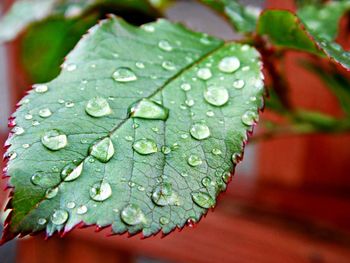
165, 45
204, 73
103, 150
124, 75
168, 65
98, 107
216, 96
238, 84
51, 193
164, 195
81, 210
59, 217
54, 140
203, 199
45, 113
200, 131
145, 146
148, 109
194, 160
100, 191
250, 117
71, 172
132, 215
229, 64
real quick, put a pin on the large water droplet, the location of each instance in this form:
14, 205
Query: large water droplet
124, 75
164, 195
41, 88
132, 215
51, 193
204, 73
238, 84
203, 199
54, 140
45, 113
100, 191
145, 146
200, 131
71, 172
165, 45
59, 217
148, 109
98, 107
194, 160
18, 130
103, 150
44, 180
229, 64
250, 117
216, 96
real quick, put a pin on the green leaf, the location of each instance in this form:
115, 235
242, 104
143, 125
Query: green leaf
243, 18
138, 131
314, 32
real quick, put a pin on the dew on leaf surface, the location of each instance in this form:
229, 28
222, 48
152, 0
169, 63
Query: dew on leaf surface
202, 199
200, 131
145, 146
100, 191
148, 109
54, 140
229, 64
98, 107
216, 96
204, 73
124, 75
194, 160
103, 150
132, 215
59, 217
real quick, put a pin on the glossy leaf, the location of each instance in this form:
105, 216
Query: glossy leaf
243, 18
139, 131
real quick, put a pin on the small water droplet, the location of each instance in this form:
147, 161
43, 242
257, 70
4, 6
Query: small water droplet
60, 101
155, 129
41, 88
129, 138
200, 131
132, 215
164, 195
98, 107
245, 68
184, 174
229, 64
204, 73
163, 220
12, 155
59, 217
140, 65
28, 116
148, 28
189, 102
124, 75
238, 84
81, 210
185, 86
166, 149
54, 140
26, 145
71, 172
216, 96
51, 193
168, 65
42, 221
194, 160
71, 67
45, 113
250, 117
18, 130
236, 157
206, 181
148, 109
210, 113
103, 150
184, 136
216, 151
145, 146
70, 205
100, 191
69, 104
165, 45
140, 188
203, 199
35, 123
226, 177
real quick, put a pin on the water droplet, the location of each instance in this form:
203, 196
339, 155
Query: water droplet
71, 172
54, 140
124, 75
200, 131
42, 221
226, 177
168, 65
164, 195
98, 107
45, 113
71, 67
166, 149
246, 68
216, 151
194, 160
59, 217
148, 109
165, 45
184, 174
216, 96
236, 157
140, 188
229, 64
204, 73
203, 199
238, 84
12, 155
185, 86
250, 117
18, 130
100, 191
69, 104
70, 205
155, 129
140, 65
163, 220
103, 150
148, 28
132, 215
35, 123
28, 116
26, 145
189, 103
206, 181
41, 88
51, 193
210, 113
184, 136
60, 101
129, 138
81, 210
145, 146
